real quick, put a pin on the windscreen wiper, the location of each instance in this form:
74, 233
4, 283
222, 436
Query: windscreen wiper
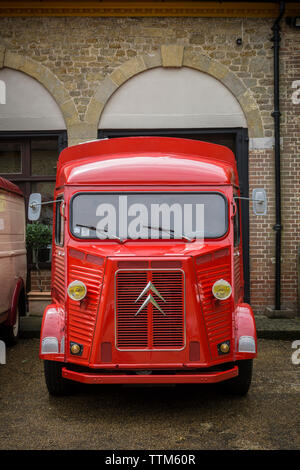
170, 231
91, 227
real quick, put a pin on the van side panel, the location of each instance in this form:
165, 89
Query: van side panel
12, 246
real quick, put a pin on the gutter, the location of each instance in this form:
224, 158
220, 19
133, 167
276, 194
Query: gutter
276, 115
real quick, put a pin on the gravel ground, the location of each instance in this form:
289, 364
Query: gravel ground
150, 417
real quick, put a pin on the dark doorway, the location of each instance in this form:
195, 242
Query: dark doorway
234, 138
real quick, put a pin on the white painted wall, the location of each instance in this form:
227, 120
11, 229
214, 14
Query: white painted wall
172, 98
27, 105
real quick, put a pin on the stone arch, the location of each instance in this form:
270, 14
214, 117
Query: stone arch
176, 56
47, 78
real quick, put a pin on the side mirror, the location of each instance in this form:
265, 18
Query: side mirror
34, 206
259, 199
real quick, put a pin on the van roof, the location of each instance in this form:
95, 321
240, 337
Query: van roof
7, 185
147, 160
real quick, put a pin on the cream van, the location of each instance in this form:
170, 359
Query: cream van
12, 260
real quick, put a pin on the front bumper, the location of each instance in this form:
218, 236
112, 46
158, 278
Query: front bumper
175, 378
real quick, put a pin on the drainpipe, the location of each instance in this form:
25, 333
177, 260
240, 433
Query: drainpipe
276, 115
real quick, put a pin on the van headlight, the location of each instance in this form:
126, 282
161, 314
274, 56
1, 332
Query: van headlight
77, 290
221, 289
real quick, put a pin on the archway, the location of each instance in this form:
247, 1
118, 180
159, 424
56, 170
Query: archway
42, 74
175, 56
29, 106
164, 98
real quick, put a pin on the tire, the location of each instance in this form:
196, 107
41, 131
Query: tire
10, 334
239, 385
56, 384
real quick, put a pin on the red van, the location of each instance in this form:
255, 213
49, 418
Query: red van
13, 264
147, 271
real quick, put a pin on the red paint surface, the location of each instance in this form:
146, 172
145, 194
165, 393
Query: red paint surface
10, 187
131, 164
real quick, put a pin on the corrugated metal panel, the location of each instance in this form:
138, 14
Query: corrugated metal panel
82, 315
58, 278
237, 277
217, 314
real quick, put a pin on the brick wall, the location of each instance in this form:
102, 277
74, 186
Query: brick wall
262, 236
42, 280
81, 52
290, 164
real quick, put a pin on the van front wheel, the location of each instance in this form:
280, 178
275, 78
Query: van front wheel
56, 384
10, 334
239, 385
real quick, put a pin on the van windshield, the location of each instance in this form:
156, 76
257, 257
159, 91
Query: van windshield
146, 215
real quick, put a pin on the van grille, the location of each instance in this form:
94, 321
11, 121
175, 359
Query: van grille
150, 328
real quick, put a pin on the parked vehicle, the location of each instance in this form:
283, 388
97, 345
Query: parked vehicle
12, 260
147, 269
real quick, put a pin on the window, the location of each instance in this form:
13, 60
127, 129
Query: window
149, 215
30, 162
10, 158
44, 154
59, 221
236, 224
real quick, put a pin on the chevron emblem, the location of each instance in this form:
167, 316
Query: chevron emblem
150, 289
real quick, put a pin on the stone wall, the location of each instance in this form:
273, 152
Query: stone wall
82, 61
